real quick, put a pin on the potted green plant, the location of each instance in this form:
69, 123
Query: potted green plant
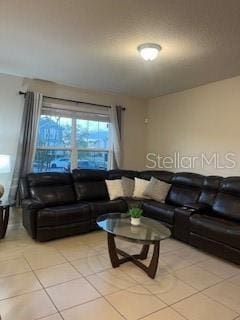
135, 214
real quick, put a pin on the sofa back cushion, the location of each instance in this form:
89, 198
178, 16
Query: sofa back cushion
227, 201
211, 186
89, 175
91, 190
186, 188
51, 188
165, 176
118, 174
90, 184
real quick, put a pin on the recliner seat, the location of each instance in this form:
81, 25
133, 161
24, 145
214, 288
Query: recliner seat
160, 211
186, 188
219, 226
61, 215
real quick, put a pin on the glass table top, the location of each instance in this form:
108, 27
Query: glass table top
119, 224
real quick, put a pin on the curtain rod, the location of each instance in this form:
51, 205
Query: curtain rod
75, 101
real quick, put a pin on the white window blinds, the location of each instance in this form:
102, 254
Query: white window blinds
75, 110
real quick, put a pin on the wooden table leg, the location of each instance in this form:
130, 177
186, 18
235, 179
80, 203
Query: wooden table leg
4, 216
152, 269
112, 251
116, 261
144, 252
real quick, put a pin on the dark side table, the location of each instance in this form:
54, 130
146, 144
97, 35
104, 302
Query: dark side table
4, 216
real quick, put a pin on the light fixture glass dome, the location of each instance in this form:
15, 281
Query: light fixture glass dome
149, 51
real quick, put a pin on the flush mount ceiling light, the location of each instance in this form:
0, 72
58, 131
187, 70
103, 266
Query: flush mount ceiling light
149, 51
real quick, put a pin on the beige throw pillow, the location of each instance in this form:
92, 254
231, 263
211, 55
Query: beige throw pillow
128, 187
139, 188
157, 190
115, 189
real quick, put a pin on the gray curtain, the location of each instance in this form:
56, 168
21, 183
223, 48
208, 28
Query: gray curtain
27, 140
116, 122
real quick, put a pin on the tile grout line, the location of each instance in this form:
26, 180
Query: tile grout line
196, 264
210, 298
115, 308
138, 283
69, 262
85, 277
102, 296
44, 291
21, 294
220, 303
150, 293
15, 274
198, 291
202, 291
166, 307
209, 271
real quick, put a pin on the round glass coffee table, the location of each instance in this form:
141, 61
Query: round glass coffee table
149, 232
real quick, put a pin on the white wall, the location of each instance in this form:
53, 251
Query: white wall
11, 106
205, 120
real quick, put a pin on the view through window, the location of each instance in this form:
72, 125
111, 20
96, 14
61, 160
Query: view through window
68, 142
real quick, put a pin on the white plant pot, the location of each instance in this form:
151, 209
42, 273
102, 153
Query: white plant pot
135, 221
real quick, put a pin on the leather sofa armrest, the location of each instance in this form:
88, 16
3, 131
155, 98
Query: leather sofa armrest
32, 204
29, 214
196, 207
182, 223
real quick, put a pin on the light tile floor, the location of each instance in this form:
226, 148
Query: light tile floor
72, 279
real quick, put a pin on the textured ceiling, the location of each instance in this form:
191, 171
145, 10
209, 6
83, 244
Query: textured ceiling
92, 43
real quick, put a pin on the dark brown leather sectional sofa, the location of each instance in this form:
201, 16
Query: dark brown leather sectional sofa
203, 211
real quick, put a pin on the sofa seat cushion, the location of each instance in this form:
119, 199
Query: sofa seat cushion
61, 215
101, 207
221, 230
159, 211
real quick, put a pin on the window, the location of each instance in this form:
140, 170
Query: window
69, 138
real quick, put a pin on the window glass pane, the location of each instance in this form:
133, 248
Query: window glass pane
54, 131
92, 160
56, 134
82, 133
103, 135
52, 161
92, 134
